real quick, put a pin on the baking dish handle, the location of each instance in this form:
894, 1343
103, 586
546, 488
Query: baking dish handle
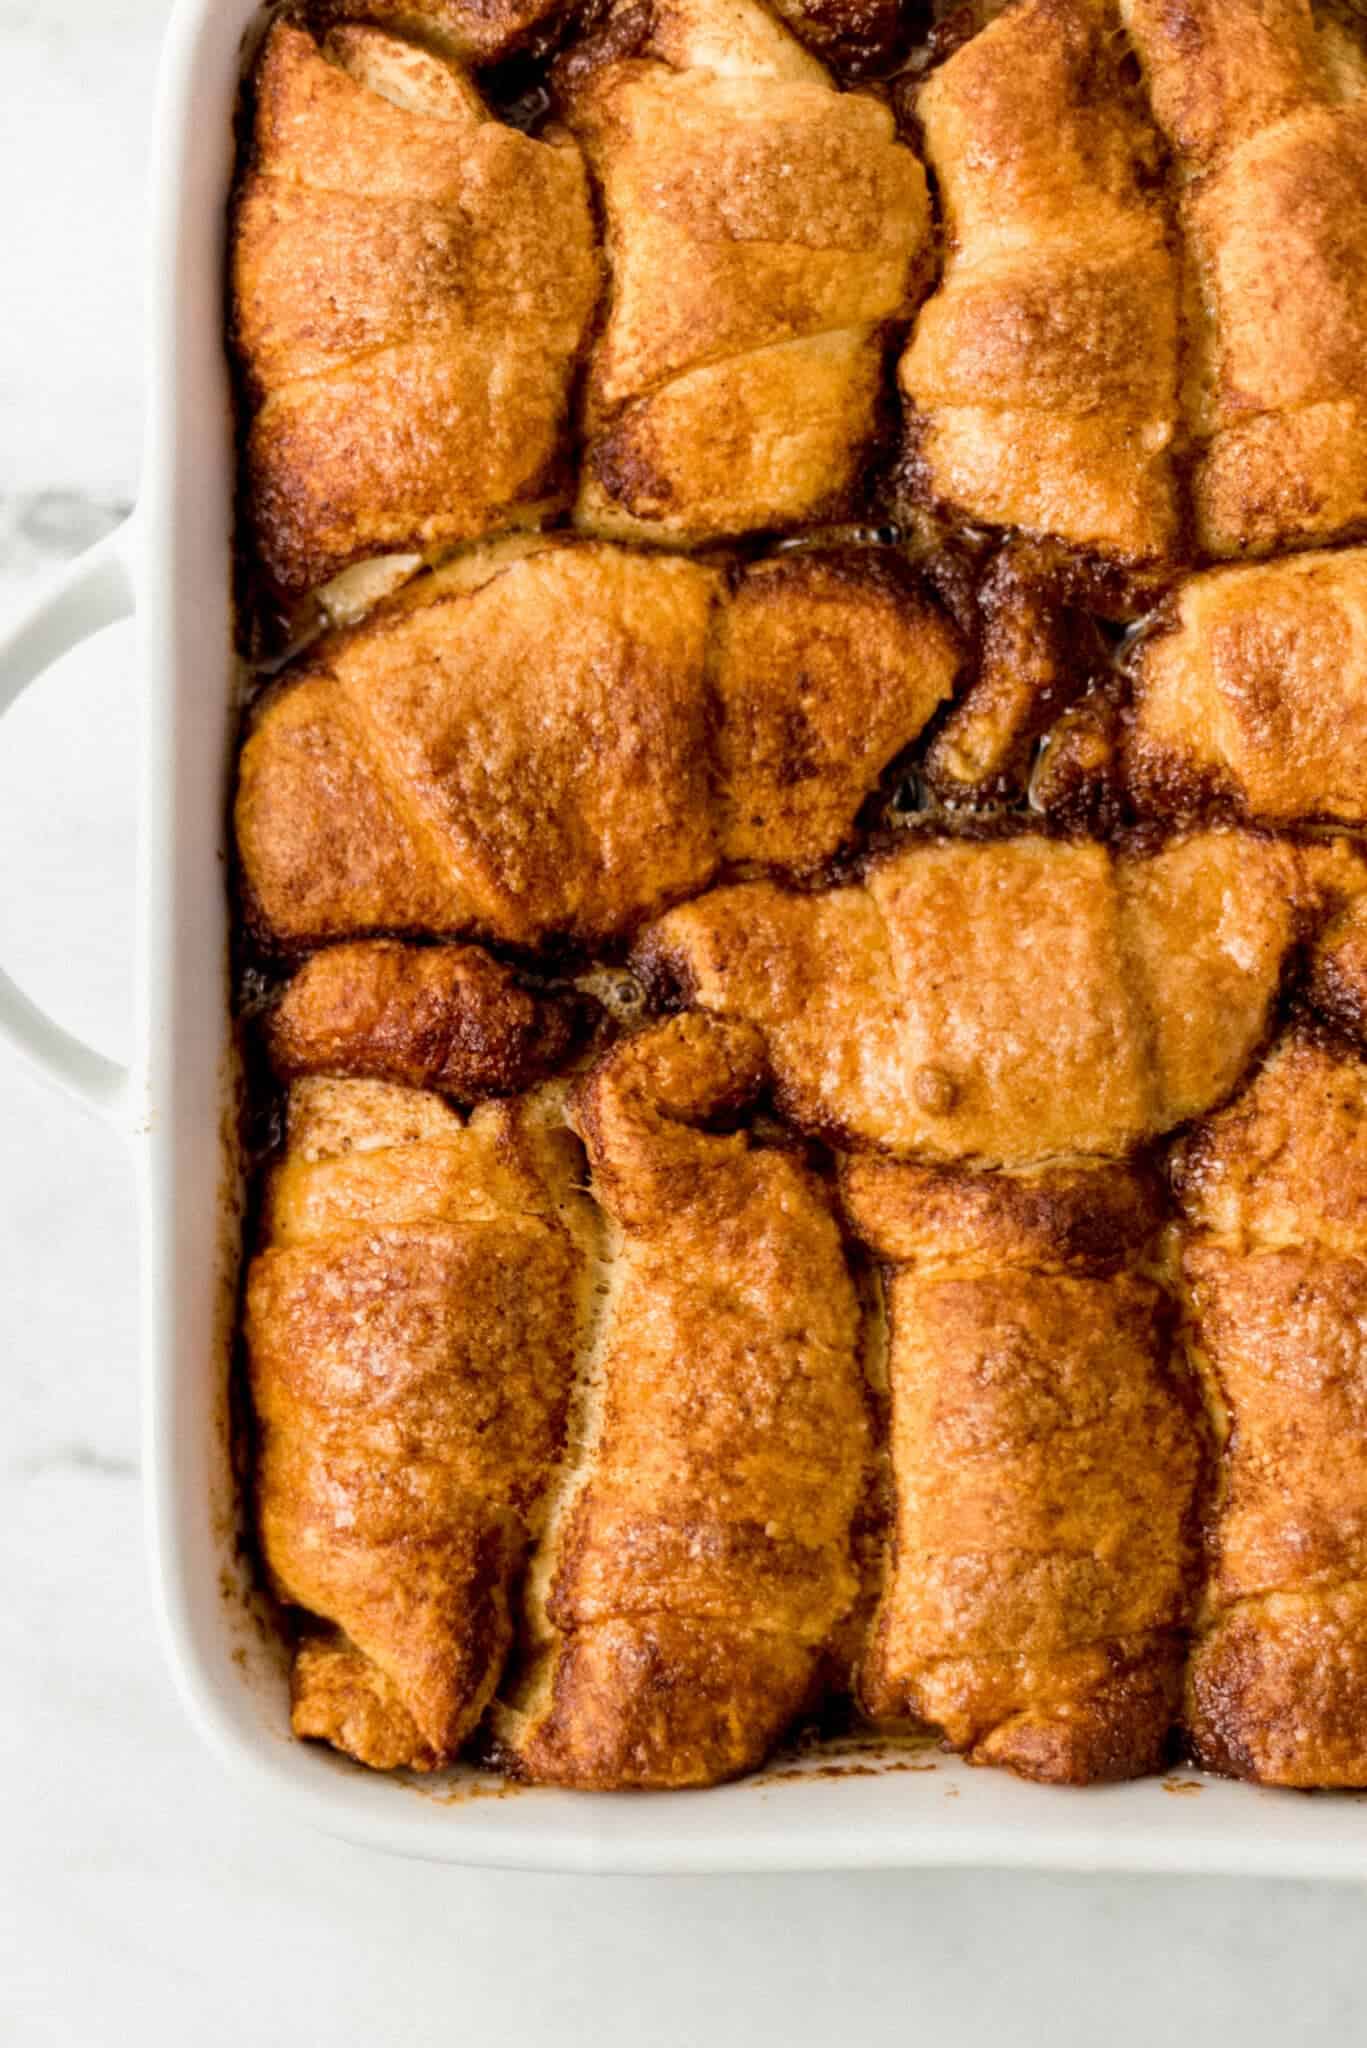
96, 590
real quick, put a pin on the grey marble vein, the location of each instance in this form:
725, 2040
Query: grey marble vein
76, 1457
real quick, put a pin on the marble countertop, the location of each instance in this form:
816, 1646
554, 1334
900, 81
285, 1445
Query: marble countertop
140, 1899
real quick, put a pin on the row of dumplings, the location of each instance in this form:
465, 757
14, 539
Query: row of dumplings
1132, 326
607, 1429
549, 741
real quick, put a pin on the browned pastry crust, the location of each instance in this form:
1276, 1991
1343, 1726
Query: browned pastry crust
1285, 1165
1255, 693
557, 740
412, 282
1044, 1462
828, 665
444, 1017
1042, 376
1004, 1001
761, 230
515, 749
1275, 1267
1083, 1219
412, 1326
698, 1561
1262, 105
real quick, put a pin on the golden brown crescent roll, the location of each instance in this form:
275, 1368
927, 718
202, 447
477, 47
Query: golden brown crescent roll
516, 746
1262, 106
556, 740
1254, 692
1274, 1191
1005, 1001
761, 230
444, 1017
412, 281
1042, 376
412, 1327
1044, 1457
698, 1558
828, 665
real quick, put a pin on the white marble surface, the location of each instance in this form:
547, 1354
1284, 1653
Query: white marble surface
140, 1900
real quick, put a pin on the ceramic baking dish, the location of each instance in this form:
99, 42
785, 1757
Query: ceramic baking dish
172, 564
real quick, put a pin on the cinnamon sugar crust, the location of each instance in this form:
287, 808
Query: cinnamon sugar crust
555, 740
412, 1321
1274, 1264
1255, 695
449, 1018
762, 229
412, 283
1261, 102
1042, 376
699, 1560
1045, 1453
1005, 1001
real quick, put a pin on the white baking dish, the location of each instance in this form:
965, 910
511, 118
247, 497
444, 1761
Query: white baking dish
176, 1106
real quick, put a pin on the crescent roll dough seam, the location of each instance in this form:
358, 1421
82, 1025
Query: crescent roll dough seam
698, 1562
762, 229
1044, 1460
